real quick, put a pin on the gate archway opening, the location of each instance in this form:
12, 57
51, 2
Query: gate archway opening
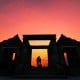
43, 54
44, 43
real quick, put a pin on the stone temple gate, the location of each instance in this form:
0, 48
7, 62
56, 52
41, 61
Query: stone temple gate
52, 49
58, 63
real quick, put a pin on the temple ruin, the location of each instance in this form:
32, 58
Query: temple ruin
63, 55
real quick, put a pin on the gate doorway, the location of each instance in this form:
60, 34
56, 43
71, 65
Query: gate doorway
39, 43
42, 54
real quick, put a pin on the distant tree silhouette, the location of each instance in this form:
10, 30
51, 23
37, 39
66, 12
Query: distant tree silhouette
39, 61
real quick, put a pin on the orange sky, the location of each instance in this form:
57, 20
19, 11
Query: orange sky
39, 17
43, 53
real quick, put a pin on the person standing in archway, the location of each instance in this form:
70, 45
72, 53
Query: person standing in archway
39, 61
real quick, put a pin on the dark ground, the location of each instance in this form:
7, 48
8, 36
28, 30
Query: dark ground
69, 78
24, 78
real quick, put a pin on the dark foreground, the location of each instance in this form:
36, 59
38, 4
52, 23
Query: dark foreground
10, 78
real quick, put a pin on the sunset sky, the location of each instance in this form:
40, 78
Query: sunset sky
39, 17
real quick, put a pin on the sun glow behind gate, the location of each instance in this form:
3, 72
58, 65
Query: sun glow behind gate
43, 53
39, 42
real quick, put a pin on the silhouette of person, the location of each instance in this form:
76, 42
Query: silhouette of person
39, 61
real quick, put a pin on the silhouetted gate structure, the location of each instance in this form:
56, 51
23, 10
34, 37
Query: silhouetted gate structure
53, 57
